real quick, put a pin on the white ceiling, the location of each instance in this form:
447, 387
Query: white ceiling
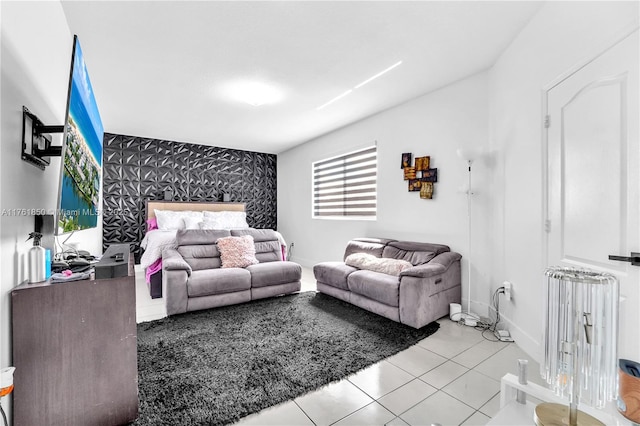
157, 67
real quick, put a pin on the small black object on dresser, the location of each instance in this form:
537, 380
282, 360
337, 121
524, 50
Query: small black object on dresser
114, 262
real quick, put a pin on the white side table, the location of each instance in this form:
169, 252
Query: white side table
514, 414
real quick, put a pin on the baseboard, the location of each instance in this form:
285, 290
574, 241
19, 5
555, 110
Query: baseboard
524, 340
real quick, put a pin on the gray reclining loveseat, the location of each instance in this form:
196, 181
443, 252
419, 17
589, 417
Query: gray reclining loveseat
193, 277
417, 296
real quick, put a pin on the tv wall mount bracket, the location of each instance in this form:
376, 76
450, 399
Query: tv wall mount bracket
36, 140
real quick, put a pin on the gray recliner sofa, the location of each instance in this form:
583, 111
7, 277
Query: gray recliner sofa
193, 277
418, 296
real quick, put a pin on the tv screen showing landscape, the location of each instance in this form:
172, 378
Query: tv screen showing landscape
81, 178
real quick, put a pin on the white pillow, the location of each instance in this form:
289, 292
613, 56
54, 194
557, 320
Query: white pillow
377, 264
209, 224
169, 220
225, 220
192, 222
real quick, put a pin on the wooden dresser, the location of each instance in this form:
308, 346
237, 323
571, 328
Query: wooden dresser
75, 352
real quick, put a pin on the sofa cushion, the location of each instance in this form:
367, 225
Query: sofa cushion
237, 252
382, 288
218, 281
333, 273
201, 256
268, 251
186, 237
383, 265
416, 253
257, 234
266, 241
274, 273
373, 246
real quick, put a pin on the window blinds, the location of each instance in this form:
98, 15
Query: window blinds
346, 185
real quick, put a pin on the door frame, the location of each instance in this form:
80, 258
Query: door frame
598, 51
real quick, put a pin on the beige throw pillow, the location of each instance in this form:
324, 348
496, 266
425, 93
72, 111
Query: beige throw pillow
377, 264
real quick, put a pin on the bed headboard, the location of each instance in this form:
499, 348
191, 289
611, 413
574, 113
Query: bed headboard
191, 205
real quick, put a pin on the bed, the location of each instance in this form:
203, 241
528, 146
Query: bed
156, 240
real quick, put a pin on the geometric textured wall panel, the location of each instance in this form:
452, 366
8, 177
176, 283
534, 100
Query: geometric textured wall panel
138, 169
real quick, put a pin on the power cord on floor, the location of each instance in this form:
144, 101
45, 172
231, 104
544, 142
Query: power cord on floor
488, 325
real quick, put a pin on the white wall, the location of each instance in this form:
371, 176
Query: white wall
507, 205
558, 37
36, 47
435, 124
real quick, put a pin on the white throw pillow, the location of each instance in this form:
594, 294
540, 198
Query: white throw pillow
169, 220
209, 224
225, 220
383, 265
192, 222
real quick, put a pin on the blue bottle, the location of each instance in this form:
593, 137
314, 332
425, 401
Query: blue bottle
47, 261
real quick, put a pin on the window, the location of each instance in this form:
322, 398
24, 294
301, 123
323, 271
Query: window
345, 186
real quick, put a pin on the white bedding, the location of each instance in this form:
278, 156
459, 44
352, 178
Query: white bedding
155, 241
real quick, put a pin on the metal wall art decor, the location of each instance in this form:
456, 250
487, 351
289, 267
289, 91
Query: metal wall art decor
406, 160
420, 175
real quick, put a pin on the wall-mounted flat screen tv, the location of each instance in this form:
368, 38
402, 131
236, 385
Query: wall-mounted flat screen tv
81, 175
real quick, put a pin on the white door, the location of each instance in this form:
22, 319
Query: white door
593, 176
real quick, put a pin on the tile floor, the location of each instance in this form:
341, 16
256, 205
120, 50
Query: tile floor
452, 377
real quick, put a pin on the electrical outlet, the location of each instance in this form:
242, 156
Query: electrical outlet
292, 244
507, 290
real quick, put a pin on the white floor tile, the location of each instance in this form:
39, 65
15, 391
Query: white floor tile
373, 414
478, 353
397, 422
308, 280
477, 419
438, 408
380, 379
401, 399
286, 414
333, 402
451, 339
506, 361
456, 329
492, 407
473, 389
416, 360
444, 374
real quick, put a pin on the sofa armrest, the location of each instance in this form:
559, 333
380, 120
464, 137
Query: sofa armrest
437, 265
175, 274
173, 261
426, 290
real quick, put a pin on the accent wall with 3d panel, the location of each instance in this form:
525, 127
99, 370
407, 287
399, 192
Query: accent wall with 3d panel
137, 169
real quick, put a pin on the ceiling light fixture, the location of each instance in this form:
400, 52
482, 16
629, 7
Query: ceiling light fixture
378, 75
359, 85
335, 99
254, 93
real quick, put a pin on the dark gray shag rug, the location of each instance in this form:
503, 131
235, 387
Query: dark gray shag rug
213, 367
